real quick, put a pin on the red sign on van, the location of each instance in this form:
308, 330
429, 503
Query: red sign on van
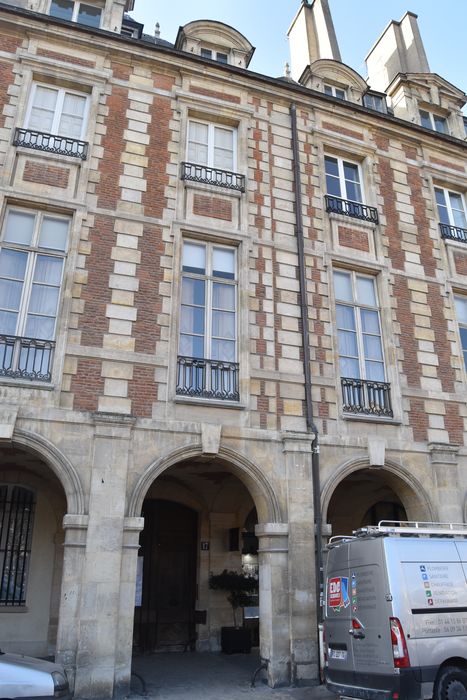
338, 592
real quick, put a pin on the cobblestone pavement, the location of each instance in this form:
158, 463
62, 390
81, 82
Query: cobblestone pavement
209, 676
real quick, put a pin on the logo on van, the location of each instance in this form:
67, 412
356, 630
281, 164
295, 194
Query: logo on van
338, 593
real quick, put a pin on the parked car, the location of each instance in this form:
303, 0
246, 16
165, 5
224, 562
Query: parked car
26, 677
395, 622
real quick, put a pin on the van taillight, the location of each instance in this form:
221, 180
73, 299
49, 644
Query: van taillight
399, 646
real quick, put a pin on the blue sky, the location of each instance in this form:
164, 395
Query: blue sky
358, 24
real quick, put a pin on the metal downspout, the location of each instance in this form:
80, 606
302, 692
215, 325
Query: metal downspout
307, 367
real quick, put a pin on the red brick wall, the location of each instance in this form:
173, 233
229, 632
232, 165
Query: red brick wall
87, 384
46, 175
154, 199
142, 390
350, 238
213, 207
110, 167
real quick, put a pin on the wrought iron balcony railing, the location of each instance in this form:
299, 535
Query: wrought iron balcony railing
208, 379
356, 210
367, 397
213, 176
62, 145
455, 233
26, 358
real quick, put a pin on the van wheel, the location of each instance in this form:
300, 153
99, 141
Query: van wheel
451, 684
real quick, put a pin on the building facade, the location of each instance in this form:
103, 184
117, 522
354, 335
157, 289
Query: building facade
233, 321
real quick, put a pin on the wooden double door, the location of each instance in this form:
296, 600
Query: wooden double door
165, 620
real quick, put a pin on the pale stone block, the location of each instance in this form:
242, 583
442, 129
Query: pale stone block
126, 255
121, 312
437, 422
122, 297
116, 387
138, 161
426, 358
133, 183
438, 435
136, 148
132, 170
113, 404
131, 284
125, 268
70, 365
137, 126
133, 196
136, 137
119, 342
432, 406
126, 241
117, 370
293, 408
138, 116
210, 438
292, 366
376, 451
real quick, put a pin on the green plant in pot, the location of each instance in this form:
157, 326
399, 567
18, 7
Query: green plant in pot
241, 589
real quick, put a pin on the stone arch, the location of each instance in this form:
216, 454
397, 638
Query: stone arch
409, 489
59, 464
261, 491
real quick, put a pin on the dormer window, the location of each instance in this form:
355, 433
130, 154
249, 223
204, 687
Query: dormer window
375, 101
334, 91
75, 11
433, 121
218, 56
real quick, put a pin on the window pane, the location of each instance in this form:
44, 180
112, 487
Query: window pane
10, 294
352, 182
223, 350
71, 120
461, 309
457, 206
343, 286
7, 325
192, 320
370, 321
463, 334
197, 153
223, 263
40, 327
222, 57
374, 371
62, 9
43, 109
366, 291
345, 316
440, 124
223, 159
340, 94
194, 258
223, 138
192, 346
54, 233
327, 90
198, 143
425, 119
223, 324
89, 15
372, 347
193, 291
13, 264
442, 207
48, 270
349, 367
19, 227
223, 296
331, 166
44, 300
348, 343
206, 53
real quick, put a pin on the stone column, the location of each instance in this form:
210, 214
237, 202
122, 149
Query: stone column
274, 627
444, 459
100, 598
75, 527
124, 647
302, 575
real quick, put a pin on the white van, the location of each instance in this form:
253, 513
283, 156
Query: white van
395, 625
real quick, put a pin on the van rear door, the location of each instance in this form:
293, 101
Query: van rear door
338, 620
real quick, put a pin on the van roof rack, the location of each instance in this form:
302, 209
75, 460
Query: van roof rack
413, 527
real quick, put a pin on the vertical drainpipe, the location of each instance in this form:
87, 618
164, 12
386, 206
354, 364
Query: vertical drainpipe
311, 427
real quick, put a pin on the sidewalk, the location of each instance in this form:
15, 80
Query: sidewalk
209, 676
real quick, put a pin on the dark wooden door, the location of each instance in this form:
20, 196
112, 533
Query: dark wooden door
165, 619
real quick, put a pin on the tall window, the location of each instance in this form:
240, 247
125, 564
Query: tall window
461, 312
433, 121
343, 179
208, 321
358, 327
212, 145
57, 111
81, 12
16, 524
32, 255
334, 91
451, 209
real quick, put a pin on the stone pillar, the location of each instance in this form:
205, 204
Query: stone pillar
124, 647
302, 575
444, 459
75, 527
100, 598
274, 627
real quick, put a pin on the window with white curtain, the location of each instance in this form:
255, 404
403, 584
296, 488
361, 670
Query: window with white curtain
208, 315
433, 121
213, 145
451, 208
74, 11
59, 111
460, 302
358, 326
32, 257
343, 179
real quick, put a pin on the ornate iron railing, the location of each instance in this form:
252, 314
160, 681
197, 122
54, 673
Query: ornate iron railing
356, 210
208, 379
213, 176
366, 396
26, 358
455, 233
62, 145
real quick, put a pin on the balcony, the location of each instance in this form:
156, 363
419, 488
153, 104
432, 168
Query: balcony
207, 379
362, 396
26, 358
355, 210
61, 145
212, 176
454, 233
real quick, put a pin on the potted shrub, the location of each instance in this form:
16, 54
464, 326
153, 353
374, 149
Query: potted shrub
240, 589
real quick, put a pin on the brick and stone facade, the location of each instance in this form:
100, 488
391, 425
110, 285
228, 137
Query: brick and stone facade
114, 426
